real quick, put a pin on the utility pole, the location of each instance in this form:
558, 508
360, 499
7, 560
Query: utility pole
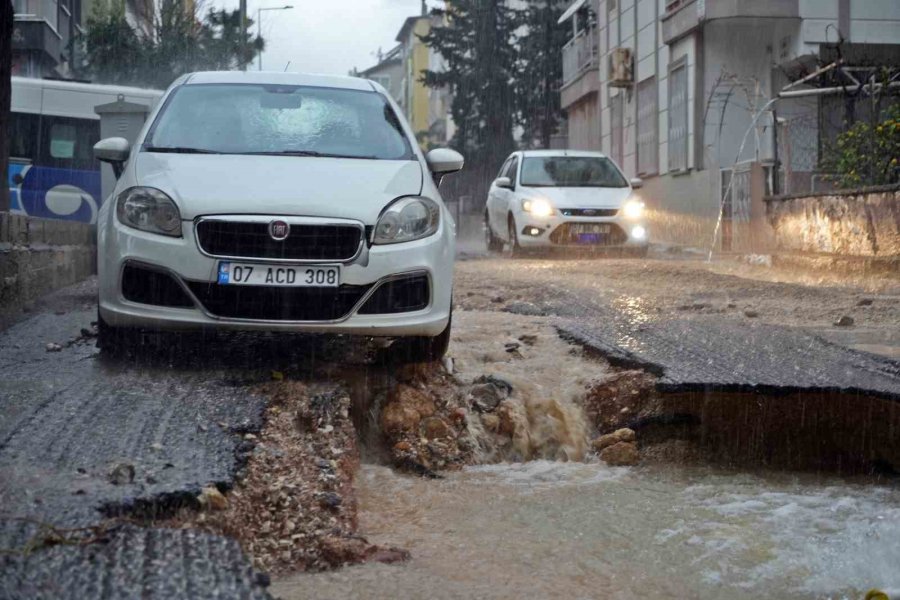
259, 12
243, 34
6, 31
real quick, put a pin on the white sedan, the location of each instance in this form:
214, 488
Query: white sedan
563, 198
277, 202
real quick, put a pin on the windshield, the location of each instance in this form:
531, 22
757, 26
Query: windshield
571, 171
278, 119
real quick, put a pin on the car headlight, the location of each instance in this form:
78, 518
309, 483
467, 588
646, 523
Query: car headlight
407, 219
537, 207
149, 209
633, 209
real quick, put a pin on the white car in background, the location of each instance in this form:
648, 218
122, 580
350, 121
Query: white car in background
545, 199
277, 202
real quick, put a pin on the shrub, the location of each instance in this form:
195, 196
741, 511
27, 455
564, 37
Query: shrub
866, 154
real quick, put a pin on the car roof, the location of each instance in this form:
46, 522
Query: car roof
527, 153
277, 78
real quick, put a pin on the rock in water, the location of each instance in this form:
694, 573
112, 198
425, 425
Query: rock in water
619, 435
121, 474
434, 428
211, 498
620, 454
845, 321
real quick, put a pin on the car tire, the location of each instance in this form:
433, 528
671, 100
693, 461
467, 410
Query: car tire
423, 348
515, 250
111, 340
493, 243
640, 252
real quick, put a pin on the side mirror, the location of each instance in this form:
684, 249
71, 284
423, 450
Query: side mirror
444, 160
637, 182
114, 150
503, 182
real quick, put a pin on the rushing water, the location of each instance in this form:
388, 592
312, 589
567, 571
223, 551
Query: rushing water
584, 530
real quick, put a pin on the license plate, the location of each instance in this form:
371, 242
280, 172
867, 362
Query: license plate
590, 238
231, 273
590, 228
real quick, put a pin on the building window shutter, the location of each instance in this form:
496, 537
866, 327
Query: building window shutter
647, 128
678, 118
617, 116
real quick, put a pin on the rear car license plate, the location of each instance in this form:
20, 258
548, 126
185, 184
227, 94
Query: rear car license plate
232, 273
590, 238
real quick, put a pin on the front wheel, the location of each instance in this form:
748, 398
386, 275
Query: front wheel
423, 348
493, 243
515, 250
112, 340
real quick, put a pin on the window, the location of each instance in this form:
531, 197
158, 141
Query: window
503, 168
571, 171
280, 119
512, 169
617, 116
382, 80
69, 143
678, 118
23, 136
647, 128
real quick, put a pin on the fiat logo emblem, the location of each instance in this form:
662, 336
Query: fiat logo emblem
279, 230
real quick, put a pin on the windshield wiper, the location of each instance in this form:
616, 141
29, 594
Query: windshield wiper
307, 153
179, 150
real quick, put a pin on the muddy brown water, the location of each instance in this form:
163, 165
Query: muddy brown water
546, 529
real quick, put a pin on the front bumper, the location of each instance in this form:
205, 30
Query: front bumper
193, 271
551, 231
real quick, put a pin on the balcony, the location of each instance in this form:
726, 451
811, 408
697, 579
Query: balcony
581, 75
579, 55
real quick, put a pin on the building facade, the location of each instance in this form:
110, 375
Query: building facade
427, 109
685, 93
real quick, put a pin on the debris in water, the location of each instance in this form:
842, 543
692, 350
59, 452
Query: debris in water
845, 321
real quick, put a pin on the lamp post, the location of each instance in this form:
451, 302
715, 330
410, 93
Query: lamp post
259, 23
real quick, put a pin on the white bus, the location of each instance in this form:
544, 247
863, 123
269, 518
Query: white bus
53, 129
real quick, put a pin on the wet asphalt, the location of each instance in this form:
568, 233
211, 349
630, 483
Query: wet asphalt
174, 413
69, 418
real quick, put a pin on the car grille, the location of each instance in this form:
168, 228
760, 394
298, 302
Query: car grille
589, 212
278, 303
252, 240
570, 234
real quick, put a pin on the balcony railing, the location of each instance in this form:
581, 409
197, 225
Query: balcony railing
580, 54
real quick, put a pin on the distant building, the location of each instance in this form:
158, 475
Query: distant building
388, 72
677, 84
46, 33
427, 109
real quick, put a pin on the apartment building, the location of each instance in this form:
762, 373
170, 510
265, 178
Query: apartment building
679, 83
46, 33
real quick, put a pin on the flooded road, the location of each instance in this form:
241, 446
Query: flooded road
584, 530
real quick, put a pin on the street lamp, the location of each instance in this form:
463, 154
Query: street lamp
259, 23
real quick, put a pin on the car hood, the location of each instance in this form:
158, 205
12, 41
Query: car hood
210, 184
579, 197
